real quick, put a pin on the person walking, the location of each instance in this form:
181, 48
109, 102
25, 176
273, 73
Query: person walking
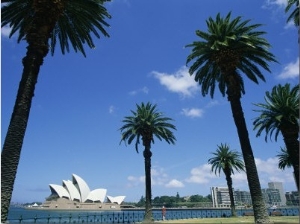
164, 211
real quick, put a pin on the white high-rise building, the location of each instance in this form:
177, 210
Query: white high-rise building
279, 187
220, 197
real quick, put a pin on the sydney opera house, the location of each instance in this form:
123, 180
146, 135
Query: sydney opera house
76, 194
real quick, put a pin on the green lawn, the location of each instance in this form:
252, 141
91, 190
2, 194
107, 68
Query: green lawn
274, 219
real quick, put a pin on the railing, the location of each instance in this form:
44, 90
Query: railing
109, 217
133, 216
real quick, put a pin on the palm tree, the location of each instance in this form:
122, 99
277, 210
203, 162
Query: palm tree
229, 49
145, 124
280, 114
295, 13
39, 22
227, 161
284, 158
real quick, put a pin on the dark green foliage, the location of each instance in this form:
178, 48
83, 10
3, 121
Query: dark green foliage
295, 13
280, 114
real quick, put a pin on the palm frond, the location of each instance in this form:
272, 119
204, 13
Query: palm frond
72, 25
225, 159
281, 109
147, 123
228, 47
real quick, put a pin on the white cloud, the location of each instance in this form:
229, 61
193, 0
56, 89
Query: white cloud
111, 109
192, 112
212, 104
201, 174
158, 177
180, 82
291, 70
132, 178
174, 184
290, 25
5, 31
280, 3
142, 90
268, 171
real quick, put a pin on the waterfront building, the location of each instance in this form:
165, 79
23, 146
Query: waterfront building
76, 194
292, 198
271, 197
279, 186
242, 198
220, 197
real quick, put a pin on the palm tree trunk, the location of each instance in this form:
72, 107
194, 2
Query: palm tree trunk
148, 207
12, 146
292, 144
259, 208
36, 52
230, 190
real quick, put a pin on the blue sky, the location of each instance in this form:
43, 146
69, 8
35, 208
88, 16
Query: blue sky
79, 102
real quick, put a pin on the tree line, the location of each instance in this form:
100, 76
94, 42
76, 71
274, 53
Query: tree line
177, 201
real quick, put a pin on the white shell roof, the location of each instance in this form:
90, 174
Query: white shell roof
77, 189
97, 195
82, 187
59, 190
117, 199
73, 191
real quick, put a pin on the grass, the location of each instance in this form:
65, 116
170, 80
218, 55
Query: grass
246, 219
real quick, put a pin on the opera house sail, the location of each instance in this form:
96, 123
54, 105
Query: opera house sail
76, 194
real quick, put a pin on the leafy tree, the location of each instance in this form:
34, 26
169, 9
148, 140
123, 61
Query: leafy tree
145, 124
280, 114
229, 49
141, 202
196, 198
209, 197
41, 22
226, 160
295, 13
177, 197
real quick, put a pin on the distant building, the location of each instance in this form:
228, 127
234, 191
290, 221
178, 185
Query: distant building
279, 186
242, 198
220, 197
292, 198
271, 197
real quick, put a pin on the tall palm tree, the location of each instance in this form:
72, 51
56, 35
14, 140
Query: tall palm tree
295, 13
145, 124
280, 114
226, 160
229, 49
42, 23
